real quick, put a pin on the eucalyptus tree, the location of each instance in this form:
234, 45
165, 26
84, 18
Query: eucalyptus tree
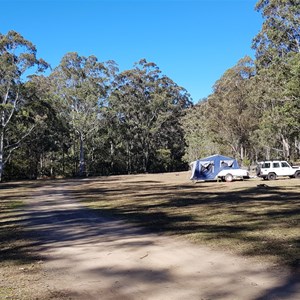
82, 85
277, 50
292, 107
17, 58
173, 101
131, 111
199, 137
145, 108
280, 33
48, 137
52, 137
277, 94
229, 109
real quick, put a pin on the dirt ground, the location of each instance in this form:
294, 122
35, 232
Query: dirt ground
84, 256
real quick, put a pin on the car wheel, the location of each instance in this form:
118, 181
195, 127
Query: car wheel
228, 177
271, 176
297, 174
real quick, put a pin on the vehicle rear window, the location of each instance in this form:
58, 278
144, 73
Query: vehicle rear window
284, 164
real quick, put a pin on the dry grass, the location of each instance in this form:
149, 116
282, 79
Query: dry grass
18, 266
253, 217
11, 202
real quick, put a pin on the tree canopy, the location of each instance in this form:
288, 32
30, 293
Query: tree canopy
254, 108
88, 118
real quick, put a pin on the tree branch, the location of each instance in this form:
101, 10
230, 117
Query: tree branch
16, 145
12, 110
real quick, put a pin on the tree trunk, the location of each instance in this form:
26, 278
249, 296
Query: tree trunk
42, 164
128, 158
63, 162
242, 153
286, 147
145, 160
81, 157
112, 152
297, 146
267, 153
1, 154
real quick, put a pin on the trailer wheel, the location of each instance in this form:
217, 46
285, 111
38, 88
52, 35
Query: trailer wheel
271, 176
228, 177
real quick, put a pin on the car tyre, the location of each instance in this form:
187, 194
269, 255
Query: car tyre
228, 177
297, 174
271, 176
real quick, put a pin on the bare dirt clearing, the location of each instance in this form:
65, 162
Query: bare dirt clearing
84, 254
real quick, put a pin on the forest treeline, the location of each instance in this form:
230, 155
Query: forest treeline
88, 118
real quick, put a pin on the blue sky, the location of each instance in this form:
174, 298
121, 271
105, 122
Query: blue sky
192, 41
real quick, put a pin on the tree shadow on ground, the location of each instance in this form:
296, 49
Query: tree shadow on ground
206, 210
254, 209
189, 210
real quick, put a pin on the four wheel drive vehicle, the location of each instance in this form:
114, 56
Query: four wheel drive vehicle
276, 168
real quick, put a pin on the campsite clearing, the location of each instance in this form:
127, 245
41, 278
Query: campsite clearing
251, 217
54, 248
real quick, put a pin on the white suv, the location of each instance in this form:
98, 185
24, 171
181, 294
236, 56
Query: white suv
271, 169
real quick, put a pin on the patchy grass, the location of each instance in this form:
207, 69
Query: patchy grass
254, 218
11, 234
17, 264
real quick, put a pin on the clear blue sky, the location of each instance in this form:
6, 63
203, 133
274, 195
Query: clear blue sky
192, 41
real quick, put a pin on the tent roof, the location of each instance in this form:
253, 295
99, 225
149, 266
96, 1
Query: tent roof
217, 156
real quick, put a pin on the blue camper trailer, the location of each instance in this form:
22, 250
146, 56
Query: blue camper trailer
217, 167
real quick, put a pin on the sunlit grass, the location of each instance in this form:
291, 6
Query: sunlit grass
245, 217
253, 218
13, 243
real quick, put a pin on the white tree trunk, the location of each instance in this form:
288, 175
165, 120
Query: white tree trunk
242, 152
81, 156
112, 152
1, 154
286, 147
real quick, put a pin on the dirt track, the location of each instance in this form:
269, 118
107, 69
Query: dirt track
87, 257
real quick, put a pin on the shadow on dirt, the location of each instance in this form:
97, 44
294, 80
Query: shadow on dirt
154, 207
190, 210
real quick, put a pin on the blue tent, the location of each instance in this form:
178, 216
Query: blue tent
209, 167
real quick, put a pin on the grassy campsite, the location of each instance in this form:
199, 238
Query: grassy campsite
99, 128
252, 217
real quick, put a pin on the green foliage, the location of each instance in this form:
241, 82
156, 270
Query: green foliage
81, 85
198, 135
280, 33
253, 111
17, 56
86, 118
230, 116
144, 110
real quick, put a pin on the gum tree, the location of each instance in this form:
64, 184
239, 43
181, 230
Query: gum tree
81, 85
277, 51
146, 108
17, 58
